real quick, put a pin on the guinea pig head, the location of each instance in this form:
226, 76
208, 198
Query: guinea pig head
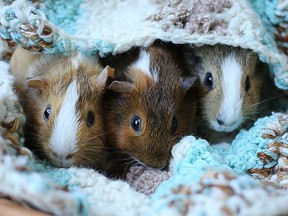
230, 85
65, 113
149, 113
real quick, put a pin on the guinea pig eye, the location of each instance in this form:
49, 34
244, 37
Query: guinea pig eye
247, 84
174, 125
90, 119
136, 123
208, 80
47, 112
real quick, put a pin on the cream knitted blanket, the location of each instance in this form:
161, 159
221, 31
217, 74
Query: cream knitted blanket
248, 177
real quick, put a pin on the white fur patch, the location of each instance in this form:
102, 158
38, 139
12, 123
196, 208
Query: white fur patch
143, 63
76, 59
230, 112
64, 134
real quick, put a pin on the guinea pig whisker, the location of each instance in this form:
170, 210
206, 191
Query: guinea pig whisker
199, 102
91, 158
201, 119
111, 148
253, 119
249, 118
138, 162
85, 159
107, 132
97, 151
96, 136
173, 138
130, 163
183, 130
32, 126
126, 159
263, 101
87, 140
254, 112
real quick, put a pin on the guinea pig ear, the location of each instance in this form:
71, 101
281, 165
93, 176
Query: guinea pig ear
37, 82
191, 57
104, 76
188, 82
120, 86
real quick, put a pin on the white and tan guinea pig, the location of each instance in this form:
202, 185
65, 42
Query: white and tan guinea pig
230, 84
62, 98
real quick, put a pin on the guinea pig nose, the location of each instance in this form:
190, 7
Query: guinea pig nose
220, 122
69, 156
65, 157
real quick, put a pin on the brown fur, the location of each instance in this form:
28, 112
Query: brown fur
21, 61
156, 104
59, 72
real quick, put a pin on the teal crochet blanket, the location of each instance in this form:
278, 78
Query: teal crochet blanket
245, 177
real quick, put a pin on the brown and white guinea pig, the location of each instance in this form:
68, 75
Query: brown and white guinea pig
150, 104
62, 98
230, 84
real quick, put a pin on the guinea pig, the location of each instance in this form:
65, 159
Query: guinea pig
230, 84
150, 104
62, 99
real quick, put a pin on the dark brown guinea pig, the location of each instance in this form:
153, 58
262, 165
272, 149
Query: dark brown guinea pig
150, 105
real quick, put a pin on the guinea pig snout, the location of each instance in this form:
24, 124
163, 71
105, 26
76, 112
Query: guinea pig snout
63, 159
158, 162
161, 165
224, 123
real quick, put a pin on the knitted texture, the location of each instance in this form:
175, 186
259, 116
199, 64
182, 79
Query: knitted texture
204, 184
112, 26
104, 196
246, 177
23, 23
17, 180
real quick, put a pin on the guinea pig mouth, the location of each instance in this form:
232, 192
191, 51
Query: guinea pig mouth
222, 127
138, 162
58, 162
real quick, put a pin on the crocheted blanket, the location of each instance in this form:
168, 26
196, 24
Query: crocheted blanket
245, 177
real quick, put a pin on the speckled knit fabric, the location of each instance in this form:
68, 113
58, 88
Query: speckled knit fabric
112, 26
18, 181
246, 177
